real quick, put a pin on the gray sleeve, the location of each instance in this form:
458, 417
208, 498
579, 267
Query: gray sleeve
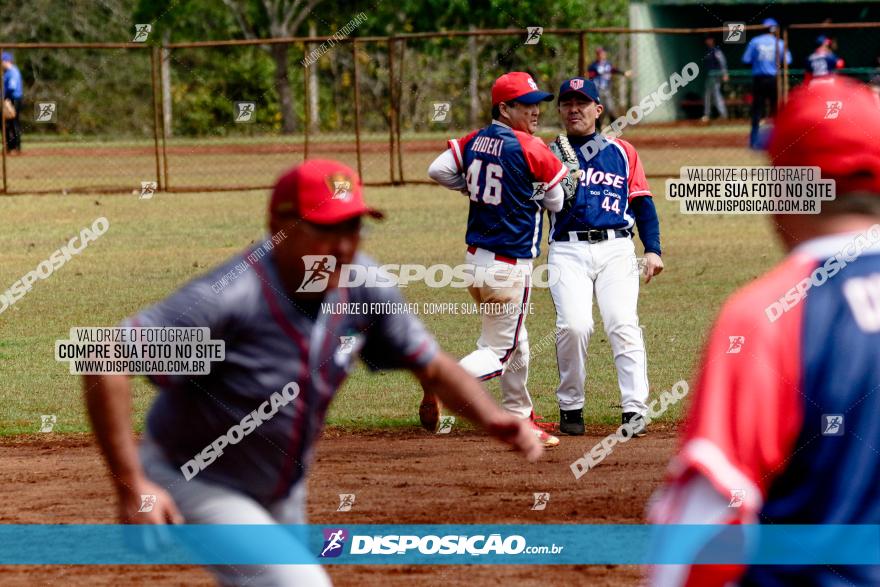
197, 305
395, 339
444, 171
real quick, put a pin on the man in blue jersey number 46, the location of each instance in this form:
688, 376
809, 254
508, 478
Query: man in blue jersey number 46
606, 195
277, 340
510, 177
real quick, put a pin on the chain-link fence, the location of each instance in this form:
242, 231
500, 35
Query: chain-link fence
86, 120
226, 115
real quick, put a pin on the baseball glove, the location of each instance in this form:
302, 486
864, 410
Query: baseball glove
565, 153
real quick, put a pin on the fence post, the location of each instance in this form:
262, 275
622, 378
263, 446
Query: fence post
391, 110
308, 110
399, 93
582, 54
357, 108
157, 91
3, 127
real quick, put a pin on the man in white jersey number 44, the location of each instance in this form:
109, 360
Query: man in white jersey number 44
591, 245
510, 177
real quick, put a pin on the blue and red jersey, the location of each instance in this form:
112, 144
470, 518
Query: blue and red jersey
786, 404
608, 183
822, 63
502, 167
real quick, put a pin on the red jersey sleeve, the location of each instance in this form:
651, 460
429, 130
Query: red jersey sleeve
458, 146
746, 412
637, 182
542, 163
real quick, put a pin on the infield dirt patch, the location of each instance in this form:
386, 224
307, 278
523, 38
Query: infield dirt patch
405, 477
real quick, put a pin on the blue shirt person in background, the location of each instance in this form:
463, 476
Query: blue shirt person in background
761, 53
12, 91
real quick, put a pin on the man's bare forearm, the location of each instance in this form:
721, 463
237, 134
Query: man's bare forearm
458, 390
108, 400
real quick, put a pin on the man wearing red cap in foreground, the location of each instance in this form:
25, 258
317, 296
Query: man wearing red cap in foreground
234, 446
511, 177
785, 430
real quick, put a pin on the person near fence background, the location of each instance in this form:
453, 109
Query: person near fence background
600, 71
12, 91
822, 62
761, 54
715, 66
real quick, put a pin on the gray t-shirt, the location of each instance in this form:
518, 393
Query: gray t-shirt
269, 342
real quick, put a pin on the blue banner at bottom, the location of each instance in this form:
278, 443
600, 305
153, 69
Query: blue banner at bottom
371, 544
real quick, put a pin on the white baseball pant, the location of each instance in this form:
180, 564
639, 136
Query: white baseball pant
503, 346
608, 268
203, 502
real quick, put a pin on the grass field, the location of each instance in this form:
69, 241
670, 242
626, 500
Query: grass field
154, 246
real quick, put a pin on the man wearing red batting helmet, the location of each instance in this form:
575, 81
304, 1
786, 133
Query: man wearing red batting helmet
783, 427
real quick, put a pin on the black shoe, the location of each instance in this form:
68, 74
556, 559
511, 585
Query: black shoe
571, 422
639, 427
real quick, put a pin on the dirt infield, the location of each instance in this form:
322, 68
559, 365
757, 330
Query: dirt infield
406, 477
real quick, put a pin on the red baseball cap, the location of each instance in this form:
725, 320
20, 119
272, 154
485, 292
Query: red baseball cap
519, 86
833, 124
320, 191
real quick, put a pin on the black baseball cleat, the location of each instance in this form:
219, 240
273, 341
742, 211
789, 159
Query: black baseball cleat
639, 427
571, 422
